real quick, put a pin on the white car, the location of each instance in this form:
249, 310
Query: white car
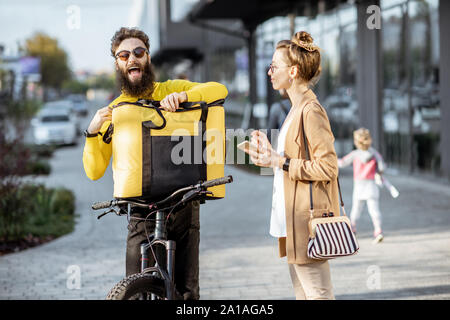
69, 107
79, 104
54, 126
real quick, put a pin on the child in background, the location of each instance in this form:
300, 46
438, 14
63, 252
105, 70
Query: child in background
366, 163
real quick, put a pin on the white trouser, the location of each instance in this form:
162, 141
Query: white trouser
374, 212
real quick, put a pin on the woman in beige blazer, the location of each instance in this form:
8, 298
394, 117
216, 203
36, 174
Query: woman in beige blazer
295, 66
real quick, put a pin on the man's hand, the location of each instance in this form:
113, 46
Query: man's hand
173, 100
102, 115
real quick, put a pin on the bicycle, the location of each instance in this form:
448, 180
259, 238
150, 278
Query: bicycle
156, 282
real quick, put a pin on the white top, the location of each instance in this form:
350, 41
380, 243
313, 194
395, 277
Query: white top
364, 189
278, 215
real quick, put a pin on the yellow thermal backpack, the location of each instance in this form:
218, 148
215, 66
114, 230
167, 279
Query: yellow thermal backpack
156, 152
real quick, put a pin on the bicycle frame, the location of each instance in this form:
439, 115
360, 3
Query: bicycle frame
160, 246
160, 237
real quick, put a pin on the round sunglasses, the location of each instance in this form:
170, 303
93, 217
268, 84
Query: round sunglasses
125, 54
272, 68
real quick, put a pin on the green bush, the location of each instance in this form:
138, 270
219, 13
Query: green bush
14, 158
38, 167
22, 109
63, 202
41, 205
53, 213
26, 209
41, 151
38, 163
35, 210
14, 210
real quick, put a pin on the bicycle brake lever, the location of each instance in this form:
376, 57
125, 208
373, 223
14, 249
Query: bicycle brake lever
104, 213
117, 212
193, 193
205, 192
188, 196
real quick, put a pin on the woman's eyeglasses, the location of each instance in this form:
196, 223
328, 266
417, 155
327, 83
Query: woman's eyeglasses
272, 68
125, 54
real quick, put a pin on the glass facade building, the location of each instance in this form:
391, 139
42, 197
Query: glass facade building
410, 76
407, 97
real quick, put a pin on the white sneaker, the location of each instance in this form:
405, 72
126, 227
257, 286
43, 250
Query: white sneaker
378, 238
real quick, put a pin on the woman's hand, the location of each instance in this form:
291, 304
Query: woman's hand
265, 155
173, 100
102, 115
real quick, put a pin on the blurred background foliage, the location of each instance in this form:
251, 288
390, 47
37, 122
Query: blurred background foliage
54, 60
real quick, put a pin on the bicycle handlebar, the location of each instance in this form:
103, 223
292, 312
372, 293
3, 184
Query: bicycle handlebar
102, 205
112, 203
216, 182
200, 186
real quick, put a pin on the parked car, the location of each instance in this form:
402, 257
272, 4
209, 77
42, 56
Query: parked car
79, 104
54, 126
60, 104
69, 106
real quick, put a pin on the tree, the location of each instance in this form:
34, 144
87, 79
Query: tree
54, 66
103, 81
75, 86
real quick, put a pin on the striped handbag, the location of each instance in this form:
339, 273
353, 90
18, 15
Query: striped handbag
331, 236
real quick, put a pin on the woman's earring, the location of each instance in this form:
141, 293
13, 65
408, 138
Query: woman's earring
290, 80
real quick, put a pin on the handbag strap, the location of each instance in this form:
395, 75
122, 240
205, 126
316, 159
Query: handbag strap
311, 207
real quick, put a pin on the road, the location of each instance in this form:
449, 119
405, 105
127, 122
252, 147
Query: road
238, 258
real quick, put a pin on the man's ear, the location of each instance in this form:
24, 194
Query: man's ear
115, 64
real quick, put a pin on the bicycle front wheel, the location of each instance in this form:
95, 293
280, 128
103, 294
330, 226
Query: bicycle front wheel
138, 286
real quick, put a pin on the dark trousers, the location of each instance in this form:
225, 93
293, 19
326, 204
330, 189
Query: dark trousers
184, 227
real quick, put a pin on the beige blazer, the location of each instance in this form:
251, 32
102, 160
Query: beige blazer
322, 169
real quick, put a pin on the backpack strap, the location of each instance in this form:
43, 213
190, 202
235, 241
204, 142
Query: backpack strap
185, 106
107, 137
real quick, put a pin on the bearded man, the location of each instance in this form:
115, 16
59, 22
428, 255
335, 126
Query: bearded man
130, 49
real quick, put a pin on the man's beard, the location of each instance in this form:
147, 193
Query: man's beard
145, 85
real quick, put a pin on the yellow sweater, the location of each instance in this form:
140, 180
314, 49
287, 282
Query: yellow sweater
97, 153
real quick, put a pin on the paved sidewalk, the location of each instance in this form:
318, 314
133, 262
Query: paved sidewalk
238, 259
413, 262
97, 248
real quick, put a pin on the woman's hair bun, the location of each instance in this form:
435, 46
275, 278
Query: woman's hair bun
304, 40
303, 36
302, 52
